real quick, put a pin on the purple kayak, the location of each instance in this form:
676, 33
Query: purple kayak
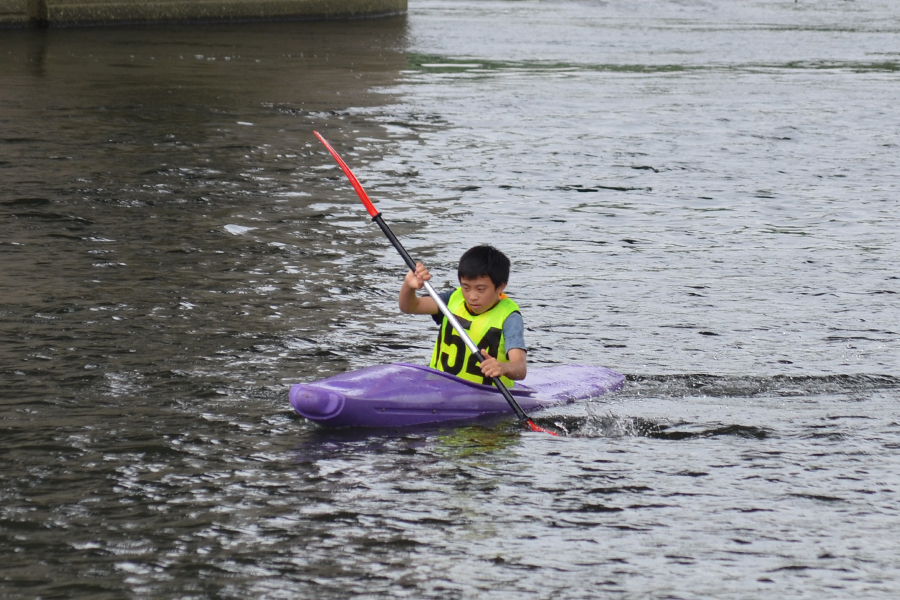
403, 394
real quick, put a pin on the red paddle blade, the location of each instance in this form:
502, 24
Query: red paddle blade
353, 180
535, 427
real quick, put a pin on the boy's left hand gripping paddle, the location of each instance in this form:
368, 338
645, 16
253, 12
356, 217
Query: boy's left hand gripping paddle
376, 216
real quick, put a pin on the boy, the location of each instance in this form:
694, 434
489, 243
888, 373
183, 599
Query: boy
491, 319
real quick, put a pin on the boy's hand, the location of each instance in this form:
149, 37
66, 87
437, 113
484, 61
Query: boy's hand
515, 369
417, 279
490, 366
408, 301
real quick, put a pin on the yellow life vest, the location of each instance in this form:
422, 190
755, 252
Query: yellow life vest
486, 330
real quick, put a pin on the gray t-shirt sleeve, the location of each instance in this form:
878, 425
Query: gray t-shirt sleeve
514, 332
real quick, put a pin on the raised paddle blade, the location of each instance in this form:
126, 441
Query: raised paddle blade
353, 180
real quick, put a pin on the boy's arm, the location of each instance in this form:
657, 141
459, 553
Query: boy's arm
410, 303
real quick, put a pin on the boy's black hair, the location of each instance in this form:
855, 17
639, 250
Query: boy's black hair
484, 260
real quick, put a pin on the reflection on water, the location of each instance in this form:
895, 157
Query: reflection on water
138, 169
470, 441
701, 196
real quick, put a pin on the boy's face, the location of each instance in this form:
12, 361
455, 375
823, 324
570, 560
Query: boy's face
480, 293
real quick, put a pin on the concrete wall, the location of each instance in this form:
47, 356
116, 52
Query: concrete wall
83, 12
14, 12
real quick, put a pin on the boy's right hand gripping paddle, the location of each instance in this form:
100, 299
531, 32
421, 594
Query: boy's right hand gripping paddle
376, 216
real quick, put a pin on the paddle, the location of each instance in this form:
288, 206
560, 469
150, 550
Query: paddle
376, 216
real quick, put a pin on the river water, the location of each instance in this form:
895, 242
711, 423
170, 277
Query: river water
700, 195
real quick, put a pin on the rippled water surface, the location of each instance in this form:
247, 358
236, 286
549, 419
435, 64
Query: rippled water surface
701, 195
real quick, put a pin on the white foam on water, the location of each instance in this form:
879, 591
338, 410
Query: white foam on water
238, 229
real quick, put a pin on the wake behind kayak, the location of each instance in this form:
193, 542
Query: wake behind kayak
403, 394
